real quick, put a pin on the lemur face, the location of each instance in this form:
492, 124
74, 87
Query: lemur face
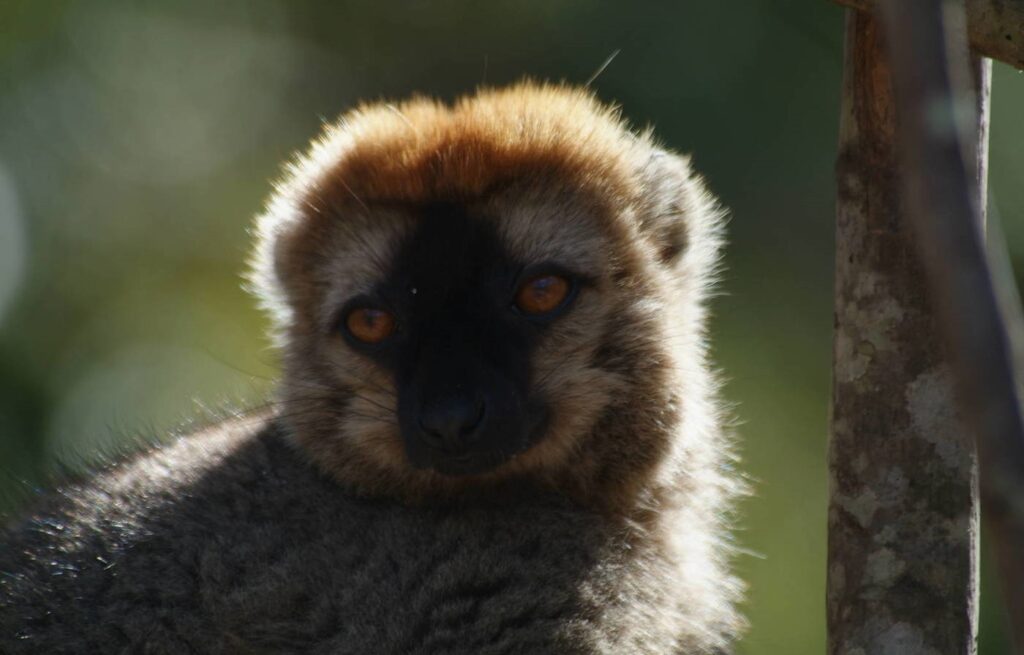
455, 321
455, 337
479, 292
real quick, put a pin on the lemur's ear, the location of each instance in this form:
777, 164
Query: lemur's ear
662, 214
682, 220
674, 209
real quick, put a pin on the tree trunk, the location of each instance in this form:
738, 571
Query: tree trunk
903, 509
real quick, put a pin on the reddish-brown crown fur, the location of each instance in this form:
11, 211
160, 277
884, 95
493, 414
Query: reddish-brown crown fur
421, 150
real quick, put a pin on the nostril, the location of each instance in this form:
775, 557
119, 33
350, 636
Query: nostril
479, 409
452, 423
430, 435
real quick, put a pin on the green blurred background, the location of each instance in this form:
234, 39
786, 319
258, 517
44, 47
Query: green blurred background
137, 139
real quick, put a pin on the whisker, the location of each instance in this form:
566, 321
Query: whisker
326, 398
398, 113
366, 207
603, 66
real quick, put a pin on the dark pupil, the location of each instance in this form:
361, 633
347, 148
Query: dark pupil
542, 287
372, 317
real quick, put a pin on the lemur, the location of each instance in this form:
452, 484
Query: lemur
496, 428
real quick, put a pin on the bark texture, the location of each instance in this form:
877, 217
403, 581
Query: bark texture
994, 27
903, 513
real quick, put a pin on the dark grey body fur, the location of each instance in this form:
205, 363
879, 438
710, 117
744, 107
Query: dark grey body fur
229, 542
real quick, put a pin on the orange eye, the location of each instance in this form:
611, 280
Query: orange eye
542, 294
370, 325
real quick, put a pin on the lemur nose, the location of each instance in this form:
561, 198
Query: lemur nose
452, 423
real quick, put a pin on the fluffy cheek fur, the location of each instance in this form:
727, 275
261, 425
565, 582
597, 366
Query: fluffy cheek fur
575, 389
606, 371
341, 407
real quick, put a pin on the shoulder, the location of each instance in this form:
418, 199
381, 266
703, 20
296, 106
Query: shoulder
148, 478
96, 560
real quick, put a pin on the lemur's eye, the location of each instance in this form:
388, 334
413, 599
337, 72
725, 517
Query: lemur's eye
370, 325
543, 294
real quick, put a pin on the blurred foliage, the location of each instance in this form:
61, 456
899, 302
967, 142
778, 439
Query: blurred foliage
137, 139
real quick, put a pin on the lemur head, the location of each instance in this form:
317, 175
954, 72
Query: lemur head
506, 289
